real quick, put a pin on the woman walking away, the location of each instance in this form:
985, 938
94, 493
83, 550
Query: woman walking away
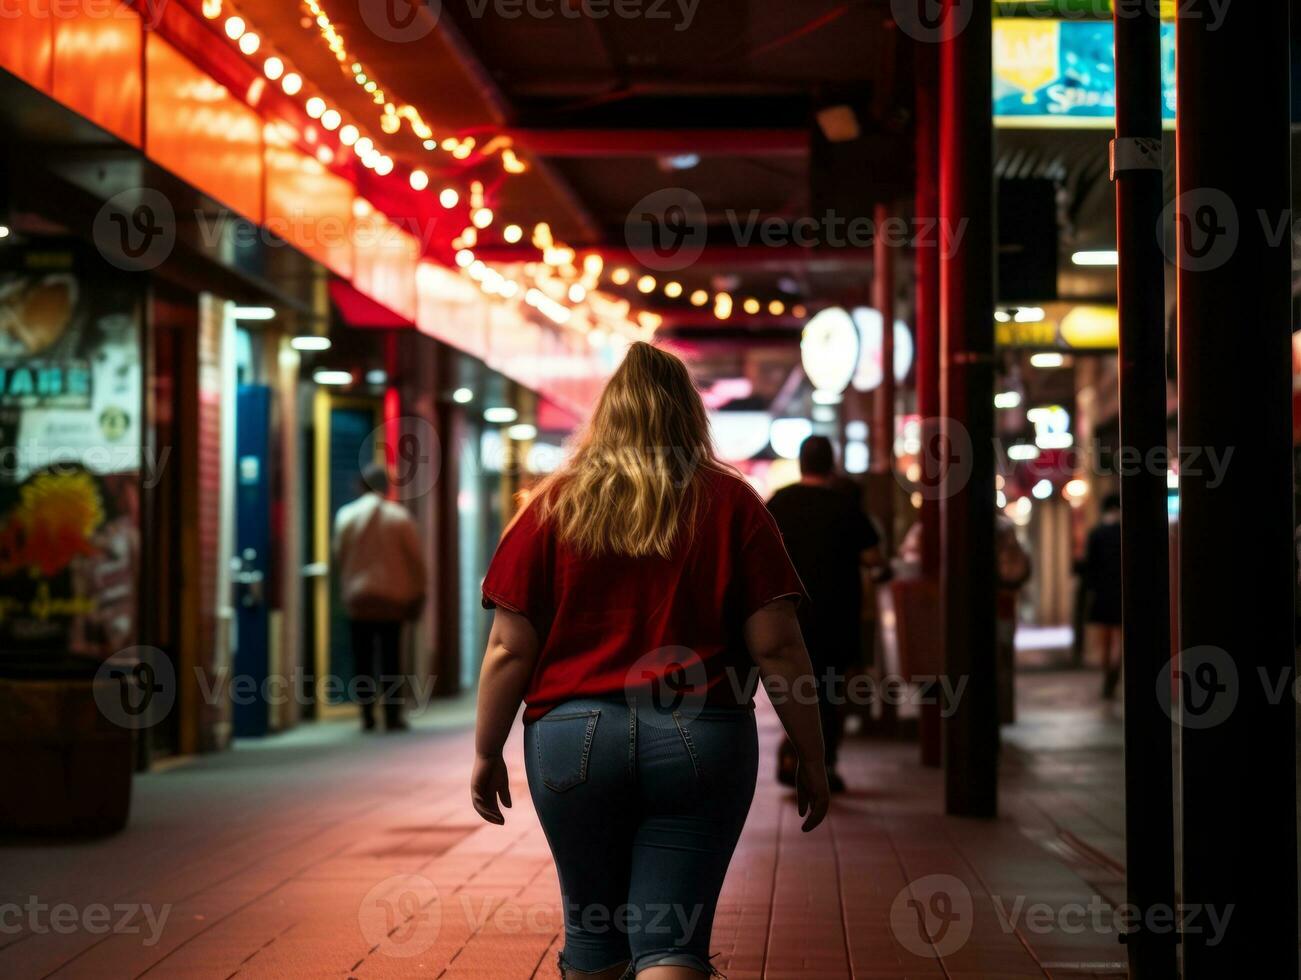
640, 595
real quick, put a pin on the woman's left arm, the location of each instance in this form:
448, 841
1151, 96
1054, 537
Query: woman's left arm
507, 668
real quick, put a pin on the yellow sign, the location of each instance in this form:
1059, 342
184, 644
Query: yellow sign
1027, 54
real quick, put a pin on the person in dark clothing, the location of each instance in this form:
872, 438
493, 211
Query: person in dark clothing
829, 538
1101, 574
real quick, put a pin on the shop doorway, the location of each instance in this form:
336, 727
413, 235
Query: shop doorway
250, 560
348, 435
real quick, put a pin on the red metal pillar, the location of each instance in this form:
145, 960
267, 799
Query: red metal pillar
883, 402
926, 270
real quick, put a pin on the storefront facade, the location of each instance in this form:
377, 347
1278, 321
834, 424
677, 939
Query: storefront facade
161, 421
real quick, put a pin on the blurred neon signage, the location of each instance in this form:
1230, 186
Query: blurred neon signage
1063, 73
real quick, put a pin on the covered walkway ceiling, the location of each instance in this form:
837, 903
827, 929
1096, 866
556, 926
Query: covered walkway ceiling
719, 100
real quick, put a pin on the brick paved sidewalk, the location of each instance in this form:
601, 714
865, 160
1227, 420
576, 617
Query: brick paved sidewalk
326, 853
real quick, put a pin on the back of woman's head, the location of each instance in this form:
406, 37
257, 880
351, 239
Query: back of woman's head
630, 486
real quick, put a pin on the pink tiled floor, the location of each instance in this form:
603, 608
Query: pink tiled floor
324, 853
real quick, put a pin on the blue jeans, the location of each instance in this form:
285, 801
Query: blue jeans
642, 809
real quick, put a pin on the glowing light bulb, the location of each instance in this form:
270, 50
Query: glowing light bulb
292, 83
512, 234
699, 298
645, 284
448, 197
349, 135
330, 119
482, 217
315, 107
673, 289
419, 180
776, 307
620, 276
384, 165
364, 146
751, 306
249, 43
273, 68
465, 258
234, 27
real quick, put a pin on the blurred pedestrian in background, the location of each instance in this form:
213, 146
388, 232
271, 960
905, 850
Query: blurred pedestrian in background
1013, 572
829, 538
1101, 575
382, 583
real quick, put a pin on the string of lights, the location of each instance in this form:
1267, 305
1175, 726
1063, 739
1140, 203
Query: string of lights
559, 286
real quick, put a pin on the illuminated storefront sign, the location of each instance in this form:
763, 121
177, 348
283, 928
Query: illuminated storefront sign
829, 350
70, 455
1063, 73
1060, 326
868, 374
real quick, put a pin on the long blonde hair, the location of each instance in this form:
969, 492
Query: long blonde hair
629, 487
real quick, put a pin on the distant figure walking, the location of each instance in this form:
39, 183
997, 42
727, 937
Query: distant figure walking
382, 584
829, 539
1013, 571
637, 593
1102, 582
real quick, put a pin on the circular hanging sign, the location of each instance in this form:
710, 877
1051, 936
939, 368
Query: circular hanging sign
829, 349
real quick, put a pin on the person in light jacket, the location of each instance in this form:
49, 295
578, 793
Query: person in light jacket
382, 584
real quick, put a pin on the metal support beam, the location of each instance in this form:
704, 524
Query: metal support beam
967, 395
926, 270
1145, 546
1236, 560
883, 400
661, 142
926, 306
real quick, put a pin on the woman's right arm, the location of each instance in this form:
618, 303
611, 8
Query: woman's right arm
773, 637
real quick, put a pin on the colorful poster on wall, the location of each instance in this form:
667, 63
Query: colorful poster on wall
70, 455
1062, 73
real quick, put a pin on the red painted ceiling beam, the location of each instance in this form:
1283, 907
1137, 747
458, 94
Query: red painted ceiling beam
661, 142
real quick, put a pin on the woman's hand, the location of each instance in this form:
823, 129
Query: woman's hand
491, 781
812, 795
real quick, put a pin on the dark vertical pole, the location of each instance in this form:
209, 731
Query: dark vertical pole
926, 270
1238, 726
967, 405
449, 426
1145, 548
883, 404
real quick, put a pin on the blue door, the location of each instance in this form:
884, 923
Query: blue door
251, 556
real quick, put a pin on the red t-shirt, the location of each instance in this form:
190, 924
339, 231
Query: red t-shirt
613, 624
